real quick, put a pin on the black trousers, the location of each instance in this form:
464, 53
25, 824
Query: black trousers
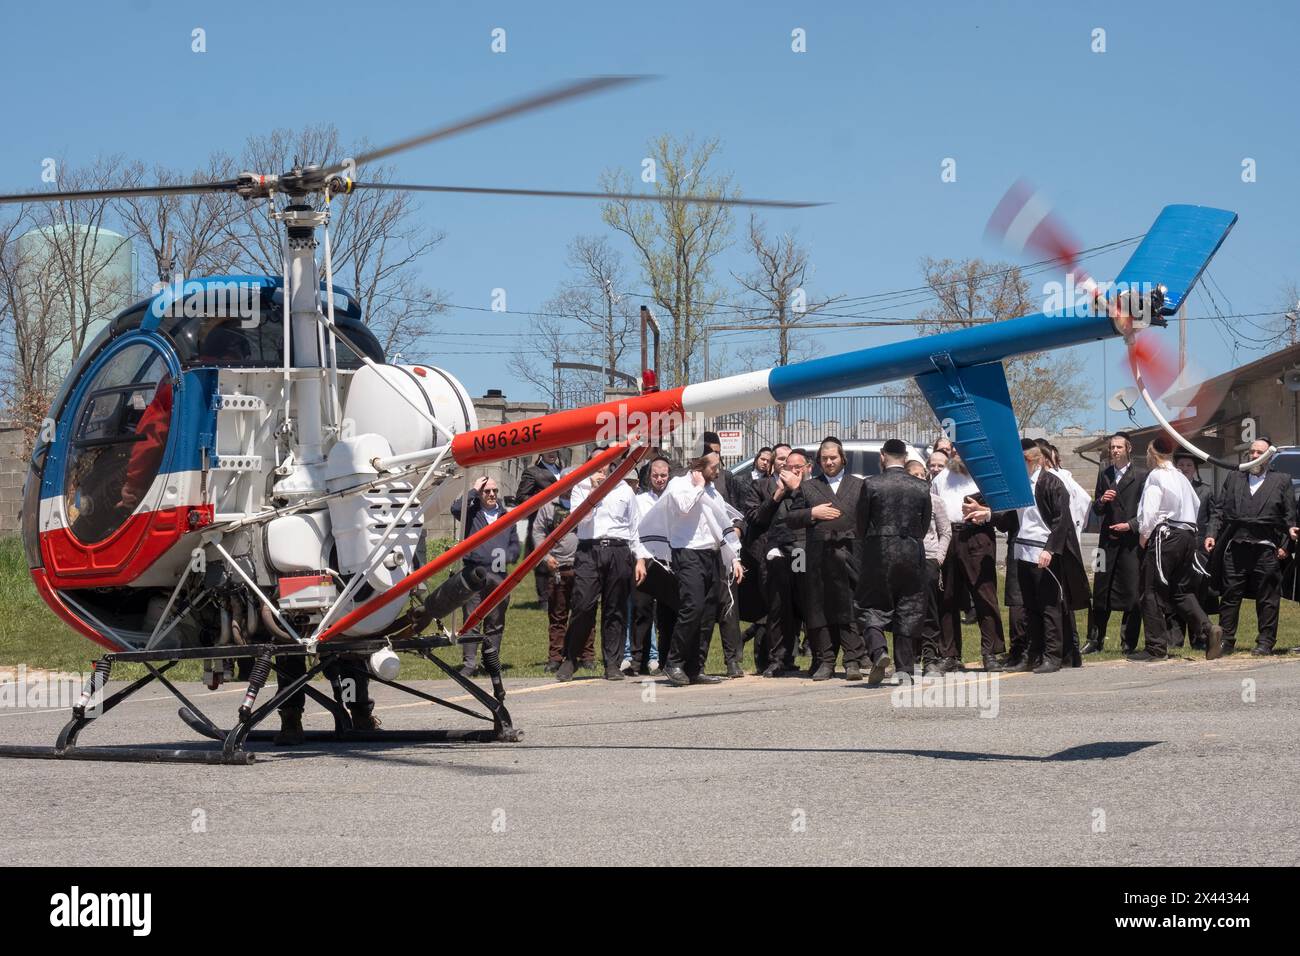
1246, 563
600, 574
782, 614
1044, 609
348, 677
1177, 593
926, 646
728, 621
647, 611
960, 590
1130, 626
492, 627
1019, 632
697, 575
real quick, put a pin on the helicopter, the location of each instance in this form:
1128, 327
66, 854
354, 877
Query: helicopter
236, 474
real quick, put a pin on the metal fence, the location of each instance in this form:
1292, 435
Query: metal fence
807, 421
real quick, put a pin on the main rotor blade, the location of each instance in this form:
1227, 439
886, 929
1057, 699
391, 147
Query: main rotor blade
225, 185
594, 84
576, 194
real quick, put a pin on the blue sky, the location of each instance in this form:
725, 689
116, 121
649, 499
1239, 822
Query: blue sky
863, 119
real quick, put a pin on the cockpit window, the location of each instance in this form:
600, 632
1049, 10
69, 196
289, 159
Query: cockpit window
119, 436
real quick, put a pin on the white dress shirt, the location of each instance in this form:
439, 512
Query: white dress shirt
615, 516
687, 527
835, 482
1254, 481
1032, 526
953, 488
1167, 496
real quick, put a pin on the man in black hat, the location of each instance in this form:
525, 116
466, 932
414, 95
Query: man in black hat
1116, 583
770, 537
894, 514
1250, 520
828, 515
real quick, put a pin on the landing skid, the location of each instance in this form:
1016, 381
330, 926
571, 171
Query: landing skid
250, 715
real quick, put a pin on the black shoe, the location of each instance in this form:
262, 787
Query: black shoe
878, 668
932, 669
363, 717
1127, 649
950, 664
1073, 657
852, 670
1213, 642
676, 676
734, 670
1259, 650
1014, 663
551, 667
1229, 647
772, 670
1145, 657
588, 665
633, 671
1047, 667
703, 678
991, 663
290, 734
565, 671
969, 617
1093, 647
903, 677
613, 673
823, 672
1027, 665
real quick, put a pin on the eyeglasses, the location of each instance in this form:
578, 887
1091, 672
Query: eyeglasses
489, 491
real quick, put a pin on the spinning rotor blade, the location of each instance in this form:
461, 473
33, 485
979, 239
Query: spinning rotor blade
594, 84
124, 192
578, 194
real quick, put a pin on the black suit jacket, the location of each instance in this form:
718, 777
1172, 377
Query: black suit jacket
830, 548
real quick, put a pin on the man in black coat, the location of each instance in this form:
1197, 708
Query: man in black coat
778, 545
1251, 519
1048, 563
1116, 586
894, 513
828, 515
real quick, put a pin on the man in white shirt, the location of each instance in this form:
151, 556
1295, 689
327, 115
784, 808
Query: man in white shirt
602, 572
699, 525
1167, 532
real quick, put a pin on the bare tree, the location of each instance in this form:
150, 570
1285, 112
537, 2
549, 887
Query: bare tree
31, 321
777, 287
376, 237
589, 320
184, 235
1045, 387
677, 243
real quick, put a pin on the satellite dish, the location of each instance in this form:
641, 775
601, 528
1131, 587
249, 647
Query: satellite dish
1125, 400
1292, 380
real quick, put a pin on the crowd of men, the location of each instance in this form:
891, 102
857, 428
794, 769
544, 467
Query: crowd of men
818, 560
